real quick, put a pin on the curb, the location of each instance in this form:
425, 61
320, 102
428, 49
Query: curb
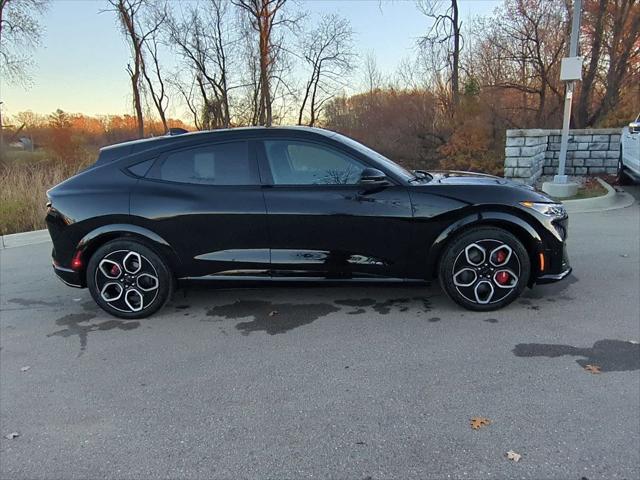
612, 200
24, 238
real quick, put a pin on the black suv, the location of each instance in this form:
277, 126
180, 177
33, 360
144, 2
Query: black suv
294, 204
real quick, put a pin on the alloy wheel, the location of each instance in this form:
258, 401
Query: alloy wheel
486, 271
127, 281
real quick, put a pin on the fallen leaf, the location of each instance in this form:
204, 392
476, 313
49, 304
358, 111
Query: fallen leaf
25, 368
478, 422
592, 368
271, 314
511, 455
12, 435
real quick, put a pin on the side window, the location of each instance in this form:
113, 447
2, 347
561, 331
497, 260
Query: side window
220, 164
301, 163
141, 169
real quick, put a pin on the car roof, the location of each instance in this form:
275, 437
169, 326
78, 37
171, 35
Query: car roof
116, 151
144, 143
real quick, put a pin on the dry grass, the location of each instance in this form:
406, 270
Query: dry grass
23, 186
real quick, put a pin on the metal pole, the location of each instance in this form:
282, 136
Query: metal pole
1, 134
573, 51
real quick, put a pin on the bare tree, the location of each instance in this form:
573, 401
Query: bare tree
20, 33
207, 44
186, 91
130, 13
127, 11
264, 16
445, 32
521, 48
151, 69
372, 76
250, 104
611, 43
327, 51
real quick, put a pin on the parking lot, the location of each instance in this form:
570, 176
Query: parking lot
343, 382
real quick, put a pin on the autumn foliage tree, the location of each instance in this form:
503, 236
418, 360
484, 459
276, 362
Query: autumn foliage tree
61, 142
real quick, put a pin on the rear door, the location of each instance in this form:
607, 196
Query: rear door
206, 202
322, 222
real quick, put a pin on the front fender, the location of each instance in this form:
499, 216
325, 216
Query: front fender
526, 233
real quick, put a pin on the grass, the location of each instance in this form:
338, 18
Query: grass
24, 157
24, 179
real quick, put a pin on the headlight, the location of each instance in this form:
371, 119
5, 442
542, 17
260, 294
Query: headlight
552, 210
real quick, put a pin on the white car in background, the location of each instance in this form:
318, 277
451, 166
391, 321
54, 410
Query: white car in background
629, 160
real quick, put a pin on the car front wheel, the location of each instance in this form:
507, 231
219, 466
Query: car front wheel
128, 279
484, 269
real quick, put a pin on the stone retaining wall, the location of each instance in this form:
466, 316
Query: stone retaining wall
532, 153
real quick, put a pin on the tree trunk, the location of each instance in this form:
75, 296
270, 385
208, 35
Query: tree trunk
137, 100
455, 88
582, 110
265, 93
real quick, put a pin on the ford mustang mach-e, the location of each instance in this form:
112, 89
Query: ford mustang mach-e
291, 204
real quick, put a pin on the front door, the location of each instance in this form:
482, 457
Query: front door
323, 223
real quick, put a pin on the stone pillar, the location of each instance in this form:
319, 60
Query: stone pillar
525, 154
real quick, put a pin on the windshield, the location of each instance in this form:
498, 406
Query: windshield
388, 164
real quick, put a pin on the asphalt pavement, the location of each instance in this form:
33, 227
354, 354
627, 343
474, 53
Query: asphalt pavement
344, 382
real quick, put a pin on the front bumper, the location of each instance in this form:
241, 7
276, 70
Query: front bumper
558, 264
553, 277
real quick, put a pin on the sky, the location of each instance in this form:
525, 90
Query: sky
80, 64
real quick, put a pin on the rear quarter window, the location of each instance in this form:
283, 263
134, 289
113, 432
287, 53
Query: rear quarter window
141, 169
218, 164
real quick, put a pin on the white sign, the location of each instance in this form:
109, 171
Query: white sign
571, 68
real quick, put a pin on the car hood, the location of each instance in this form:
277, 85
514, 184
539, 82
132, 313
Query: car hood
481, 188
454, 177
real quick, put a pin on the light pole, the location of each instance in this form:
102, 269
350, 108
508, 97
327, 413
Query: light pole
570, 72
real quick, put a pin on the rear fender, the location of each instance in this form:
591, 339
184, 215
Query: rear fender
101, 235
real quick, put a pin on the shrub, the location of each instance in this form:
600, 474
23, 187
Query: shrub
24, 180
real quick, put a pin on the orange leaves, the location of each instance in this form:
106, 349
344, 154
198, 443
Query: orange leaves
479, 422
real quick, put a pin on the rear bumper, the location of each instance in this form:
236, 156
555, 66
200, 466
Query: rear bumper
68, 276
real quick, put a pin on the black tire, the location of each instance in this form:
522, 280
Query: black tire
623, 178
484, 269
131, 267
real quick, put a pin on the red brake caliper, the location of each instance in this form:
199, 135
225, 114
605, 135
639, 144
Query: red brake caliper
502, 277
115, 271
501, 256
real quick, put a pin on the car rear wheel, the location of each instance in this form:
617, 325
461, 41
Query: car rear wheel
129, 280
484, 269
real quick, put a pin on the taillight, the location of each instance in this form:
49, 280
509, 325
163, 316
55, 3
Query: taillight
76, 261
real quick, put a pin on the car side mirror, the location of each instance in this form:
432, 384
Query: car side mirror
372, 176
634, 127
